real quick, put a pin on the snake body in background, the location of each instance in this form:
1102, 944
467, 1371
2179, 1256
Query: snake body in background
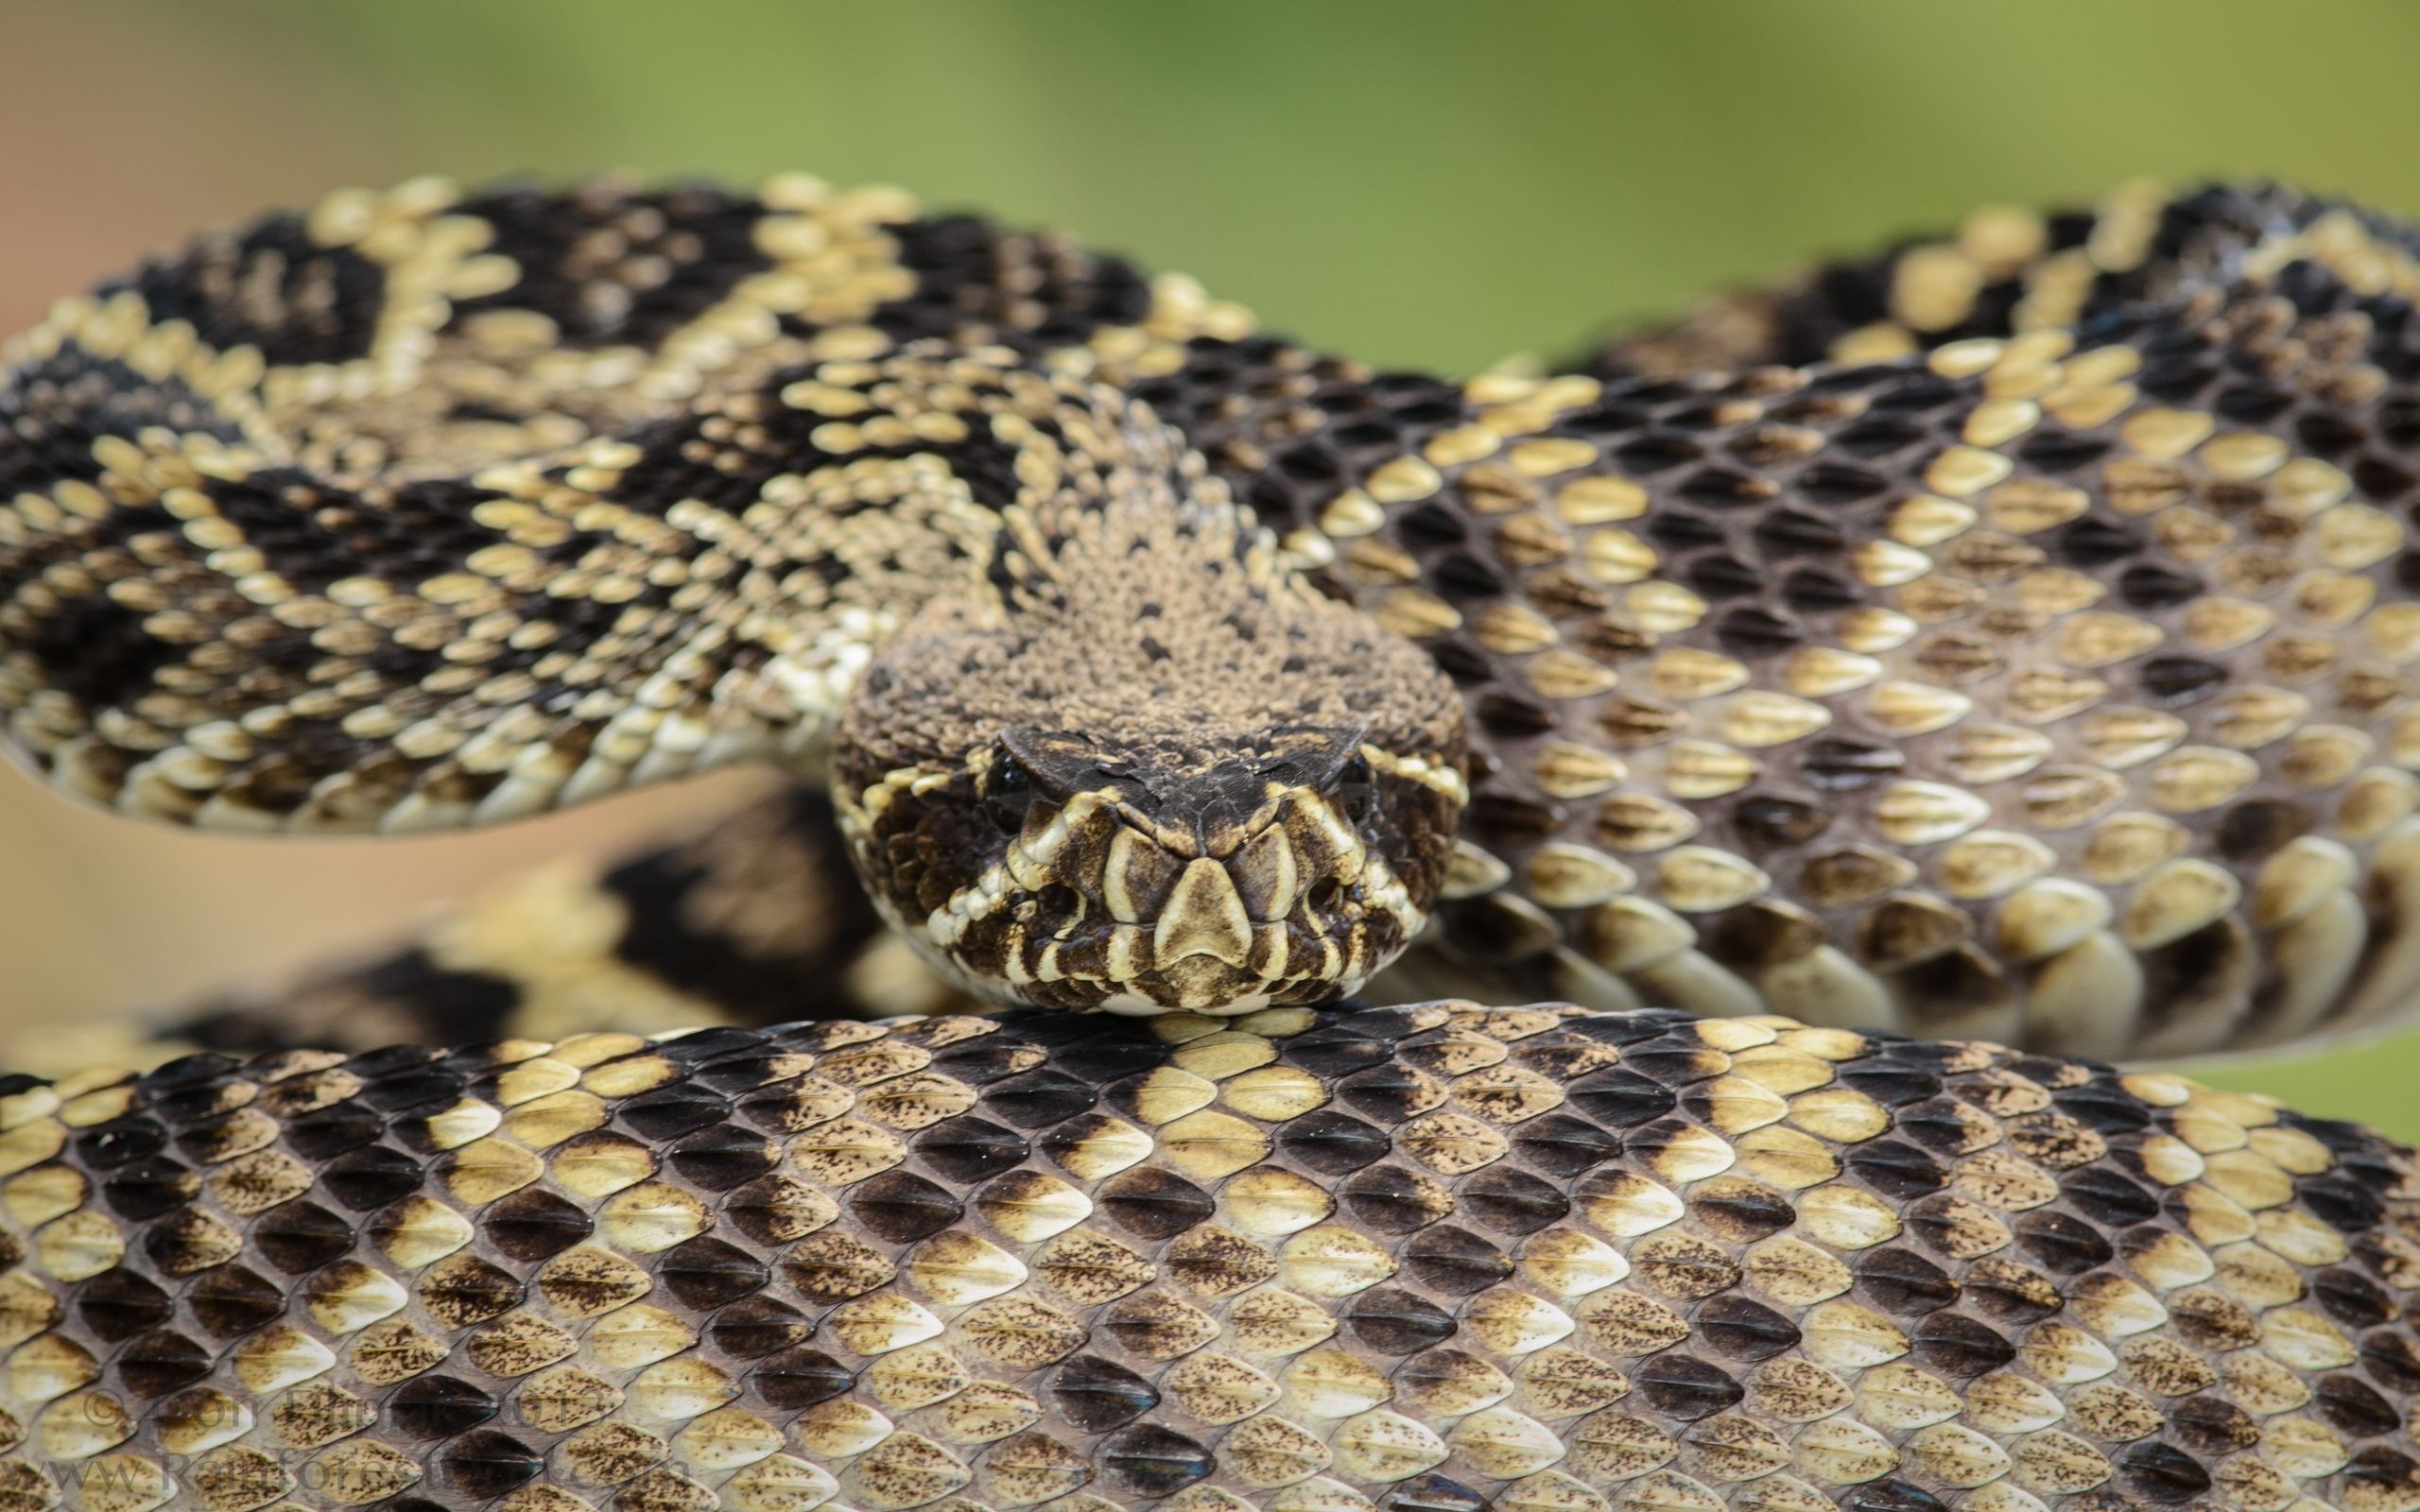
2010, 638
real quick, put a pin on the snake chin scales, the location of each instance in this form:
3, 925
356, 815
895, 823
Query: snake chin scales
1095, 905
1146, 771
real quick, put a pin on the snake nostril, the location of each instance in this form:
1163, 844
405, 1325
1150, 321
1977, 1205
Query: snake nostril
1326, 896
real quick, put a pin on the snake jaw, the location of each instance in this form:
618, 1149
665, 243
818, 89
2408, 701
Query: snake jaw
1094, 906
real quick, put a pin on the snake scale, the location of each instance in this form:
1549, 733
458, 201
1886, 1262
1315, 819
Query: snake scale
2005, 635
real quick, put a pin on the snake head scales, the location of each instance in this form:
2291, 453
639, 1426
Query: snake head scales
1144, 768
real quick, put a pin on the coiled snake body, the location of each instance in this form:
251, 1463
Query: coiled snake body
2006, 635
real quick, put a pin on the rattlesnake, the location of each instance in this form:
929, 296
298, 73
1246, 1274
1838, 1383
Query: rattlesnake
2005, 635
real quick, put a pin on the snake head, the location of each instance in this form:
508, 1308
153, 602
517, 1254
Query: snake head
1162, 780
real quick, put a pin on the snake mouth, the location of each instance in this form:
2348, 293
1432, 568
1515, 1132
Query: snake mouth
1093, 907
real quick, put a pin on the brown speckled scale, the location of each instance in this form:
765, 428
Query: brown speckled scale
1436, 1258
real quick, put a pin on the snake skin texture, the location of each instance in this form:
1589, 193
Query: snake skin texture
2013, 639
1436, 1257
2031, 660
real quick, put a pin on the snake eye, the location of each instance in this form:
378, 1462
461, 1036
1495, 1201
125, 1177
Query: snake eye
1356, 787
1008, 792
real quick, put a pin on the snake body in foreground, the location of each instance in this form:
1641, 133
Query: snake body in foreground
1426, 1259
2009, 635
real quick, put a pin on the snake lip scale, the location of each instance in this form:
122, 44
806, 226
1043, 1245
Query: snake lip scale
1875, 704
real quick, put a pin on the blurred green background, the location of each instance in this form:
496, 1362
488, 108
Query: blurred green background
1431, 183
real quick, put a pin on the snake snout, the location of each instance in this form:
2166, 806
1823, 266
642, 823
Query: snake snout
1205, 916
1096, 906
